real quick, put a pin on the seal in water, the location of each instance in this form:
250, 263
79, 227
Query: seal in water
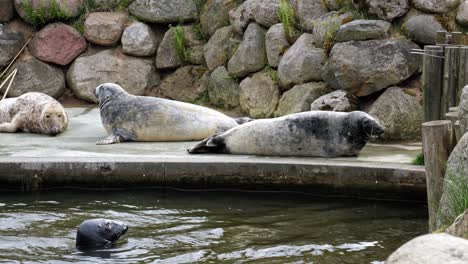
98, 233
32, 112
314, 133
141, 118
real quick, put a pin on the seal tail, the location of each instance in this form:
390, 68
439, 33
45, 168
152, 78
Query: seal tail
212, 144
243, 120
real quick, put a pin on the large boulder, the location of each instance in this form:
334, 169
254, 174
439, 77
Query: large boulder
251, 54
302, 63
215, 15
138, 39
10, 44
365, 67
431, 249
387, 9
422, 29
459, 227
363, 30
259, 95
187, 84
455, 190
276, 44
307, 11
337, 101
401, 114
164, 11
462, 14
435, 6
223, 89
299, 98
221, 47
326, 27
47, 9
57, 43
463, 110
135, 75
104, 28
167, 56
36, 76
6, 10
264, 12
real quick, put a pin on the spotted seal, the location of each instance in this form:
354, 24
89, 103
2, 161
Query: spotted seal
95, 233
314, 133
128, 117
32, 112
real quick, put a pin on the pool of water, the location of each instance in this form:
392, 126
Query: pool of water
167, 226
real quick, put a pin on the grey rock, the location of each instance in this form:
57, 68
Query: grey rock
187, 84
333, 5
221, 47
6, 10
71, 7
215, 15
363, 30
224, 89
337, 101
302, 63
138, 39
264, 12
400, 113
326, 27
251, 54
259, 95
436, 6
106, 4
307, 11
135, 75
196, 55
104, 28
36, 76
462, 14
365, 67
422, 29
463, 110
10, 44
164, 11
299, 98
276, 44
459, 228
387, 9
167, 56
431, 249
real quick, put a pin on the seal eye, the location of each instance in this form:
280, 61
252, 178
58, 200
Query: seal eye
59, 115
47, 116
99, 226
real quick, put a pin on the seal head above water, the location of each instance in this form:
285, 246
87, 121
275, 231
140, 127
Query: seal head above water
314, 133
97, 233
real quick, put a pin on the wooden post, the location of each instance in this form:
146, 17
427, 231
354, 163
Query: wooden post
463, 71
452, 117
454, 109
441, 37
458, 38
450, 87
458, 133
432, 82
437, 145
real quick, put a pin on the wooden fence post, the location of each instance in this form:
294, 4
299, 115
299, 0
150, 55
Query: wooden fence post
432, 82
437, 145
450, 87
463, 71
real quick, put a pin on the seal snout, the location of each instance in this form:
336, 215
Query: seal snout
376, 129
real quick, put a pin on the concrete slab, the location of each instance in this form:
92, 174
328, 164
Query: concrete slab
30, 161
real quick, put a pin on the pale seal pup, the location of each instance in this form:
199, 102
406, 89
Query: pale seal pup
128, 117
32, 112
314, 133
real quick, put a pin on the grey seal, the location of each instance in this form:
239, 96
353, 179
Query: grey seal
314, 133
32, 112
128, 117
95, 233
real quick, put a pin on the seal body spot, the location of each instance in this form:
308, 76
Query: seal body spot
315, 133
97, 233
33, 112
140, 118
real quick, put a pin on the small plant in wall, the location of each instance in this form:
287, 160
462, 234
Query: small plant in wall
180, 43
287, 18
39, 16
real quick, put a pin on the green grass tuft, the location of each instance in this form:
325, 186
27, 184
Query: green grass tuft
419, 160
457, 197
180, 43
287, 18
273, 74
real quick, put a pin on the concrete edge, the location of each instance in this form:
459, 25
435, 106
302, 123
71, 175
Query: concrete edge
318, 176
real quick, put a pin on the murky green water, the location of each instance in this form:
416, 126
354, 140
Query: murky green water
214, 227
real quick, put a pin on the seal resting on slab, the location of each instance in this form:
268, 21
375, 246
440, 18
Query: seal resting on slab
128, 117
96, 233
314, 133
32, 112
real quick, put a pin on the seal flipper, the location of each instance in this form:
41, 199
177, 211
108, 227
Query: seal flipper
243, 120
212, 144
112, 139
118, 135
8, 127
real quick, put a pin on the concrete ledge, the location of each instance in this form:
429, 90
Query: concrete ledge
318, 176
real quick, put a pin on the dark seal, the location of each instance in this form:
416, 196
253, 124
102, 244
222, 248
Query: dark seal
314, 133
99, 233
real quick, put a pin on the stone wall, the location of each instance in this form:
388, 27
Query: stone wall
335, 55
